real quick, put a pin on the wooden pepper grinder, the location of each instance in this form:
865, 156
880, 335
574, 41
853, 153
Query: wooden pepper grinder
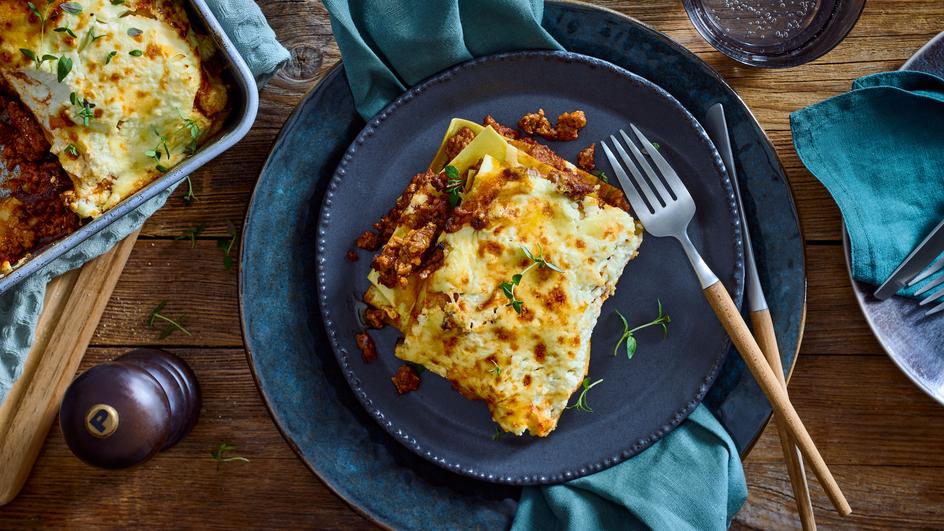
121, 413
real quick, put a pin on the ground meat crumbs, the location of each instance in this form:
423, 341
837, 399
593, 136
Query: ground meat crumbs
586, 159
351, 255
368, 240
458, 142
401, 256
570, 184
32, 196
374, 318
406, 379
366, 344
535, 123
568, 125
501, 129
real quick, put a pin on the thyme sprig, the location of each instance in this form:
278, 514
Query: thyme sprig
159, 150
499, 433
227, 244
582, 402
219, 454
508, 288
90, 38
189, 196
84, 112
172, 324
496, 370
454, 185
628, 336
191, 234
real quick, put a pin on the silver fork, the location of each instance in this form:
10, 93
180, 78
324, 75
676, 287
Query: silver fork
931, 288
666, 208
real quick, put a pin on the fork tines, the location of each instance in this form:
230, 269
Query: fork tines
934, 288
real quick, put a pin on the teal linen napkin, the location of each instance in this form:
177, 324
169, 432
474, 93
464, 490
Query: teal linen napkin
246, 26
692, 479
388, 46
879, 151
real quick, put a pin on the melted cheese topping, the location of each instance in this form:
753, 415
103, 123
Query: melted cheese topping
458, 323
139, 63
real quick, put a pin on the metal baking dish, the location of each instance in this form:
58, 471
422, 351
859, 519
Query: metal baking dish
243, 104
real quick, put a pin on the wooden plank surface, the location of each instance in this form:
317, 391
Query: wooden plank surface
883, 438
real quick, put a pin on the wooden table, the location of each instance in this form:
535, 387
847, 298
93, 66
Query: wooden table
883, 438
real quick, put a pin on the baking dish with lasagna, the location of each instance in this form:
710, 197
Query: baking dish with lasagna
104, 104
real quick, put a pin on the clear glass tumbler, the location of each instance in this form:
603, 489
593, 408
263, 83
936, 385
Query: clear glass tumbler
774, 33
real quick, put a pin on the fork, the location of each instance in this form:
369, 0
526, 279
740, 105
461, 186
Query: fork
666, 208
937, 292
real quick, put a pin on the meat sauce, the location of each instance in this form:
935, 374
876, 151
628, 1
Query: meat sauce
30, 196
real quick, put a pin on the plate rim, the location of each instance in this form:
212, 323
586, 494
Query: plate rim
335, 70
472, 469
860, 294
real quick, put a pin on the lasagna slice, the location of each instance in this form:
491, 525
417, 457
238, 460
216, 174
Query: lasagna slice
498, 286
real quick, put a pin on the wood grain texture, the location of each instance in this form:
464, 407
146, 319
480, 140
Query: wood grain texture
883, 439
730, 317
763, 328
73, 306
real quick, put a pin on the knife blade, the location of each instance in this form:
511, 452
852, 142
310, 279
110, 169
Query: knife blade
914, 263
717, 128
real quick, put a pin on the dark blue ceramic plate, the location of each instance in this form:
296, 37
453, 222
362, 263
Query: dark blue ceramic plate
287, 345
639, 400
913, 341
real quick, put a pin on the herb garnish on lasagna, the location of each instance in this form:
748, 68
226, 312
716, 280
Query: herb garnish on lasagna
494, 264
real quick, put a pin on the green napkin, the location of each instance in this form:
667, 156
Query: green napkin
691, 479
879, 150
246, 27
389, 45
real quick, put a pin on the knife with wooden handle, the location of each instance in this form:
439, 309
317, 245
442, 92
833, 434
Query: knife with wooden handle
761, 322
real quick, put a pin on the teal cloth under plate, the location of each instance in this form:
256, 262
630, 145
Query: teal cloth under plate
246, 27
389, 45
879, 151
691, 479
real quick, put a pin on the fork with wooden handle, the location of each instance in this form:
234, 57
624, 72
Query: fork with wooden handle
761, 323
670, 215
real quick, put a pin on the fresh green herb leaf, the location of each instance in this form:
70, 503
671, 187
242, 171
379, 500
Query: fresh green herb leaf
191, 126
110, 55
600, 174
508, 288
226, 245
496, 370
134, 32
582, 402
90, 38
67, 30
84, 112
454, 185
72, 150
72, 8
628, 336
162, 169
189, 196
135, 53
499, 433
191, 234
657, 145
417, 368
219, 454
30, 54
117, 2
171, 324
63, 67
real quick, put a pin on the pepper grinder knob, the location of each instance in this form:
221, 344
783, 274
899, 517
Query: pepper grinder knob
121, 413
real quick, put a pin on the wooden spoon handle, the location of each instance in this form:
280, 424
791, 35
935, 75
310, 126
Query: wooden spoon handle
763, 327
734, 324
